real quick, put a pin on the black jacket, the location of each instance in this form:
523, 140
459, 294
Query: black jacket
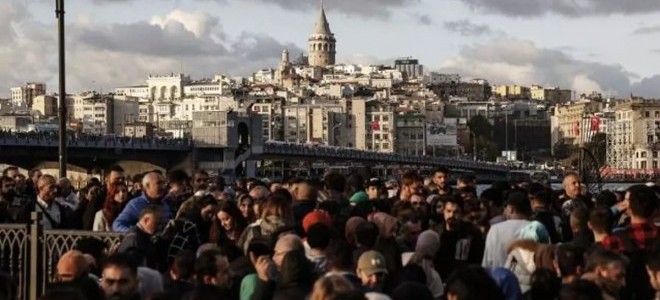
295, 282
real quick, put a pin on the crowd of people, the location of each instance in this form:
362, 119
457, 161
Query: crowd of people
343, 237
81, 138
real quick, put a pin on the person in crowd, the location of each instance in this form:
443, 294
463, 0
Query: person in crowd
411, 183
213, 275
545, 285
653, 270
228, 225
113, 176
179, 189
541, 202
582, 236
463, 283
600, 223
55, 215
460, 242
119, 278
569, 263
7, 194
295, 278
144, 237
179, 280
71, 266
609, 273
256, 249
501, 235
426, 251
507, 282
276, 217
318, 238
371, 270
113, 205
136, 186
304, 201
441, 180
335, 185
246, 206
154, 191
33, 178
569, 201
328, 286
67, 196
339, 261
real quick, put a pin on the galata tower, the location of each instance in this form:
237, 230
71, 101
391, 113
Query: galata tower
322, 43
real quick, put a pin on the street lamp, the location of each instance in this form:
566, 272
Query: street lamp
59, 14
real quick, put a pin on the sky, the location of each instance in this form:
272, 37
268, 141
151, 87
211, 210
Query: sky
609, 46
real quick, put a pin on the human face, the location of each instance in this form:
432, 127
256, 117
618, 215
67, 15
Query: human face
152, 222
201, 182
223, 277
416, 201
372, 281
226, 220
275, 186
121, 194
35, 176
92, 193
440, 179
119, 283
115, 177
614, 272
373, 192
208, 211
48, 191
452, 214
572, 186
245, 208
8, 186
12, 173
156, 187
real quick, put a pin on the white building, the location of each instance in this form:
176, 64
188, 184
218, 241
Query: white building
22, 96
167, 87
138, 91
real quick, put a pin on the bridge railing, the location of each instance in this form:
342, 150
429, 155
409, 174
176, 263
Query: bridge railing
29, 254
93, 141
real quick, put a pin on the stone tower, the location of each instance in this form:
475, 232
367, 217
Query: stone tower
322, 43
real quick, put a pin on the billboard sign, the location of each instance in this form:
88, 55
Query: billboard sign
442, 134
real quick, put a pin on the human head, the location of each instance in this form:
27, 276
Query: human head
326, 286
601, 220
572, 185
151, 218
569, 262
319, 236
34, 175
207, 208
316, 217
259, 193
10, 171
20, 182
338, 256
230, 217
71, 266
334, 181
178, 181
642, 201
466, 180
64, 186
121, 192
579, 219
212, 268
609, 266
441, 177
411, 183
517, 205
119, 278
285, 244
374, 188
8, 185
545, 285
371, 269
183, 266
200, 180
580, 290
115, 175
245, 204
461, 285
153, 185
452, 211
305, 190
417, 200
47, 188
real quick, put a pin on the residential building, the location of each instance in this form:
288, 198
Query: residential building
22, 96
167, 88
635, 136
139, 129
45, 106
15, 123
435, 78
567, 120
409, 133
410, 68
512, 91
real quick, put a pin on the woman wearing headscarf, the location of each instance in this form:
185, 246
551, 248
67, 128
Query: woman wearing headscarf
426, 248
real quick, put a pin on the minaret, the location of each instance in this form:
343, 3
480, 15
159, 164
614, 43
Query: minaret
322, 43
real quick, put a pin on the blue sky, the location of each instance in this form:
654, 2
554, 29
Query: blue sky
605, 45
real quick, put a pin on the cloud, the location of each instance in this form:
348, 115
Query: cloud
467, 28
647, 30
124, 54
513, 61
570, 8
424, 19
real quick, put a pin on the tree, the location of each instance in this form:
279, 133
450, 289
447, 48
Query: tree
480, 126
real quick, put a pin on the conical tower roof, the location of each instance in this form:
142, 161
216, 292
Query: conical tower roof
322, 25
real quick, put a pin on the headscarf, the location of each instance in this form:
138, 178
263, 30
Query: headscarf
350, 228
386, 223
428, 244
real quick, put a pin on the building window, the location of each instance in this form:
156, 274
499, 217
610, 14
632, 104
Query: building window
649, 138
647, 114
655, 164
644, 154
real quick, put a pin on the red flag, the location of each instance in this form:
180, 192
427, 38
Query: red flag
375, 125
595, 124
576, 129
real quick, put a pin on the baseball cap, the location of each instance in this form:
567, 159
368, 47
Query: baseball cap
372, 262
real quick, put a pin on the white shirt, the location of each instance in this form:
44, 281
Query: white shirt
498, 240
100, 223
53, 210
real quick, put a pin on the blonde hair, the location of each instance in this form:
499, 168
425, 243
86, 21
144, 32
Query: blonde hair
326, 286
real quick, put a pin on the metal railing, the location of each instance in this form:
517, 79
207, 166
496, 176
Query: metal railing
29, 254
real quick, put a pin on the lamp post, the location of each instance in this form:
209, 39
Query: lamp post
59, 13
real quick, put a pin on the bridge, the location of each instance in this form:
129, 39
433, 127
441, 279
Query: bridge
87, 152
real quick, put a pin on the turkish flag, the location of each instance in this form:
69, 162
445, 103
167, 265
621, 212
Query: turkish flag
595, 124
375, 125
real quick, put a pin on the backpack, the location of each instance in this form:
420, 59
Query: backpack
638, 286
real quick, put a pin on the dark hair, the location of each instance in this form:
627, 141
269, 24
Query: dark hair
178, 177
205, 265
456, 200
184, 264
545, 285
137, 178
602, 257
581, 215
580, 290
338, 255
442, 170
493, 195
259, 248
410, 177
653, 260
643, 201
63, 291
115, 168
544, 196
123, 261
151, 209
32, 171
535, 187
319, 235
519, 201
217, 232
6, 178
349, 295
366, 234
601, 219
412, 272
334, 181
463, 281
606, 198
569, 259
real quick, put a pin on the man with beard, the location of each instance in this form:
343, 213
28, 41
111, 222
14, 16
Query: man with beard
120, 278
441, 180
6, 198
460, 242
